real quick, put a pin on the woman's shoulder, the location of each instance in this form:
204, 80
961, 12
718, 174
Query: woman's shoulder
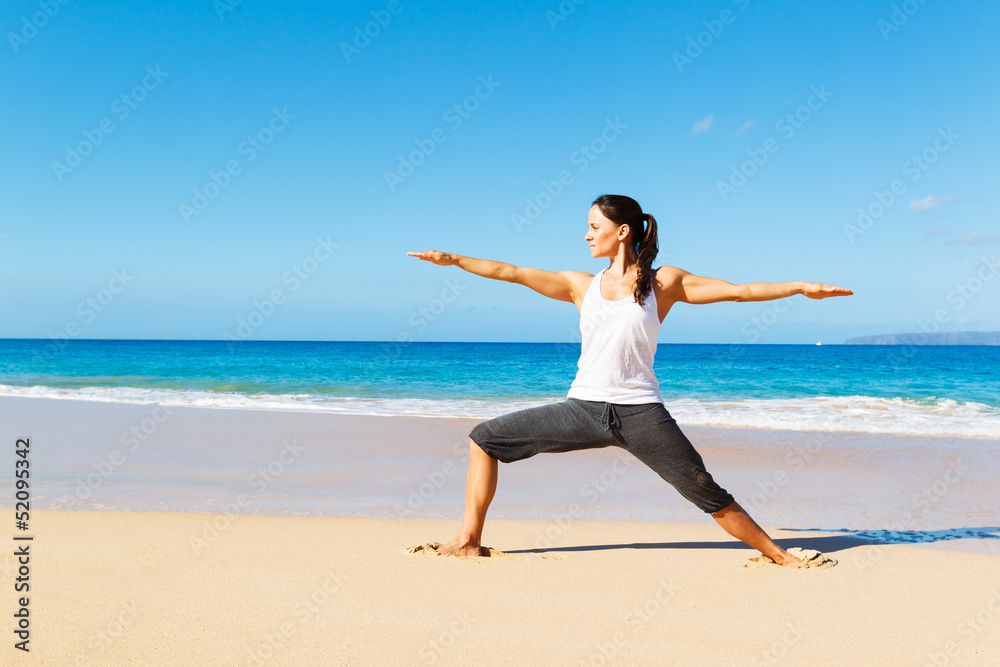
666, 279
667, 275
581, 280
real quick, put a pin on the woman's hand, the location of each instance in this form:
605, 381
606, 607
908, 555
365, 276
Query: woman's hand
822, 290
436, 256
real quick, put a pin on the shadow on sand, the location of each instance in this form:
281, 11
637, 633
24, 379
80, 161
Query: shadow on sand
846, 539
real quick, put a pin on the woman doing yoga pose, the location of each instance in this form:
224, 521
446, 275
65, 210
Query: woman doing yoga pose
615, 398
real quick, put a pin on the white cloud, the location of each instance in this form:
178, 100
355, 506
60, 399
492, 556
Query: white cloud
965, 237
930, 201
975, 238
746, 126
703, 125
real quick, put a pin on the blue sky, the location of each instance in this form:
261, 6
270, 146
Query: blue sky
259, 170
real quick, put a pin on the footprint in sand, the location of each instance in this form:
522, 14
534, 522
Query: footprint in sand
430, 549
812, 558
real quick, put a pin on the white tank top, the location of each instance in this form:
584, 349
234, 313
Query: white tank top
619, 343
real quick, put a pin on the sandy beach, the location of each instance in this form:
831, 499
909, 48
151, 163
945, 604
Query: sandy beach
252, 537
126, 588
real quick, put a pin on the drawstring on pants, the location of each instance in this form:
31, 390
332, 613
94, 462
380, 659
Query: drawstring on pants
609, 418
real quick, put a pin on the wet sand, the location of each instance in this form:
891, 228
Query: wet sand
89, 455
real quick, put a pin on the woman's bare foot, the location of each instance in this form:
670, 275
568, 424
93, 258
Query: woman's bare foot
793, 558
735, 521
462, 546
786, 559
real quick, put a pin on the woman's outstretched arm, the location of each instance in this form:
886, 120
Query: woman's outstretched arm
689, 288
487, 268
559, 285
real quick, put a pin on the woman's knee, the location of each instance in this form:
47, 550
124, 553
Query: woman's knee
476, 450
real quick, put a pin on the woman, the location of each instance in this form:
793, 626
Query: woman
615, 398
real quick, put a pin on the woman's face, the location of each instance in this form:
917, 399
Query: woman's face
603, 235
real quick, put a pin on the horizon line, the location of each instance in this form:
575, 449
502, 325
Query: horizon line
412, 342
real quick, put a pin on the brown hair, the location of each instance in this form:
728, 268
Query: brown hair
623, 210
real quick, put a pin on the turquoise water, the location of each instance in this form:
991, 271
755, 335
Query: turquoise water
930, 389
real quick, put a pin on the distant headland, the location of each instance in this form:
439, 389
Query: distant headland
940, 338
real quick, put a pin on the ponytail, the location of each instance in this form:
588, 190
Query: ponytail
645, 250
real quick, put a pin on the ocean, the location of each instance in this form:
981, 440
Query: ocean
915, 390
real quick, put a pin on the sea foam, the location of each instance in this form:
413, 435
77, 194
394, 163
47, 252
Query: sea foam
865, 414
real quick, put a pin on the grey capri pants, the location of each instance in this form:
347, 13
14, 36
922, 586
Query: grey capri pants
645, 430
